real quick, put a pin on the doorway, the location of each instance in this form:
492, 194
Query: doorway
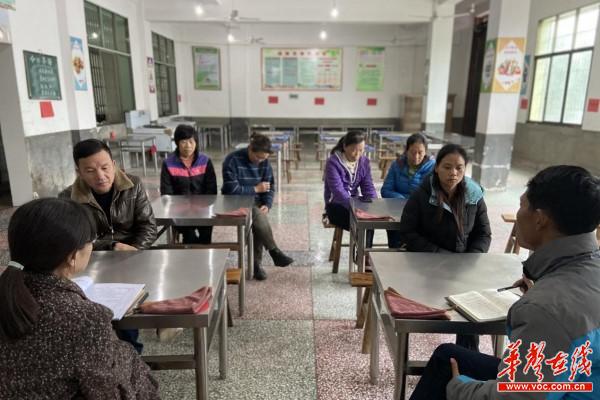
5, 196
474, 80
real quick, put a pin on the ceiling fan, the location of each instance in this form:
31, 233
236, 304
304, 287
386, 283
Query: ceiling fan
233, 18
434, 16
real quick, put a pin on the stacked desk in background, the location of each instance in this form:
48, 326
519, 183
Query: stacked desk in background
428, 278
170, 274
200, 210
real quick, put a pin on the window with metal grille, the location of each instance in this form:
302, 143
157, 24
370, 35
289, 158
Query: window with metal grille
563, 58
110, 64
164, 70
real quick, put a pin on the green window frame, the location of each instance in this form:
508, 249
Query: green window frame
165, 73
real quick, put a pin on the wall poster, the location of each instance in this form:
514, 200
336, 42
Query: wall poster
78, 64
8, 4
301, 69
207, 68
369, 77
509, 65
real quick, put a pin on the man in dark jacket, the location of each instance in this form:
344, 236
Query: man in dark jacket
118, 203
248, 172
554, 329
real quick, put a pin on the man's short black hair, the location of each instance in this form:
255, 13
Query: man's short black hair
89, 147
570, 195
260, 144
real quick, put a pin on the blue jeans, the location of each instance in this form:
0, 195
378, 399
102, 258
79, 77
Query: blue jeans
437, 374
131, 336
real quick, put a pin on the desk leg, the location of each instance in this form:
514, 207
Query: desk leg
250, 256
200, 357
351, 245
279, 169
222, 134
360, 262
144, 158
374, 358
155, 155
223, 337
241, 232
498, 342
122, 157
401, 364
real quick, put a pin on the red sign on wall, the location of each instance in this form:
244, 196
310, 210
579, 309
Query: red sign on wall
593, 105
273, 99
46, 109
319, 101
524, 103
371, 102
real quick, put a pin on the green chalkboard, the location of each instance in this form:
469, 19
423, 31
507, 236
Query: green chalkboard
42, 76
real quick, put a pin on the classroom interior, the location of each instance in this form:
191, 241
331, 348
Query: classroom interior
516, 82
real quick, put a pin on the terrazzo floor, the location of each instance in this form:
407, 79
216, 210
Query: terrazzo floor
297, 339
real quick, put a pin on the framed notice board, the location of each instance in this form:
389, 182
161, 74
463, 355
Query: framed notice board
301, 69
207, 68
42, 76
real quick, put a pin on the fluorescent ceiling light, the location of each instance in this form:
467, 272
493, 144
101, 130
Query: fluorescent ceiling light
230, 37
323, 34
334, 12
199, 10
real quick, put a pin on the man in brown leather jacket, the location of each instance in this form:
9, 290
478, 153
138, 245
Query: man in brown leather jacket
117, 201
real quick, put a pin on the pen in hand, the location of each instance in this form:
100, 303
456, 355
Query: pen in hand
508, 288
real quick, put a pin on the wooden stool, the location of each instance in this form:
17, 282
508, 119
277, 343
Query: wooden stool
336, 243
297, 150
512, 246
362, 280
386, 162
233, 277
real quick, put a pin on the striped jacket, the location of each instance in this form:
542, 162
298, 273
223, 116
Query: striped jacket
176, 178
240, 176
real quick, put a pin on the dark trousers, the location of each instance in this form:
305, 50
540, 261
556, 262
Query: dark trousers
262, 235
195, 234
340, 216
131, 336
437, 374
393, 239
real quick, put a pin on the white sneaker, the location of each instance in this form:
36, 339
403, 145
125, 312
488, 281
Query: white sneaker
168, 334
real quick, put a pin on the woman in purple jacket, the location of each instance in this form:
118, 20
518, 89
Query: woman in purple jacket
347, 170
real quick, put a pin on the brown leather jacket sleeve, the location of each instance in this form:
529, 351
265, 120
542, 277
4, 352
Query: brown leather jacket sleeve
145, 224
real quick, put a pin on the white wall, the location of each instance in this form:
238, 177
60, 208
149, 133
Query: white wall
403, 70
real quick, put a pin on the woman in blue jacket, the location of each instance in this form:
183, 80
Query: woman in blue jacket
406, 174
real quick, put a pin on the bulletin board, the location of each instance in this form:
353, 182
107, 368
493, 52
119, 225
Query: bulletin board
42, 76
301, 69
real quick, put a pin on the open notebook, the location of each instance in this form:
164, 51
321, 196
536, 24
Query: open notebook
119, 297
484, 305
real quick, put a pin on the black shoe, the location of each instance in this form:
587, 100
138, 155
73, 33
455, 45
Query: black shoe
280, 259
259, 273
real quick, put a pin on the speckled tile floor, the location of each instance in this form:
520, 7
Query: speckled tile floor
297, 338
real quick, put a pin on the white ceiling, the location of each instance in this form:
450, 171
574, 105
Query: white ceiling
302, 11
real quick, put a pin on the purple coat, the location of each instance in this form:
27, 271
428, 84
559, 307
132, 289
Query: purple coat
340, 185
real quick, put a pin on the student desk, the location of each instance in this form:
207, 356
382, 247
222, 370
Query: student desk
200, 210
428, 278
135, 144
170, 274
359, 227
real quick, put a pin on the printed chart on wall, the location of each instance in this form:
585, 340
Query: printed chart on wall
301, 69
77, 57
369, 77
509, 65
8, 4
487, 74
207, 68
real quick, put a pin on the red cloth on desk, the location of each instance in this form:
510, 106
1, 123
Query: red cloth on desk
361, 214
403, 308
240, 212
195, 303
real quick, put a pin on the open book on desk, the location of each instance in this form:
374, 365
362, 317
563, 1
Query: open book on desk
119, 297
484, 305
